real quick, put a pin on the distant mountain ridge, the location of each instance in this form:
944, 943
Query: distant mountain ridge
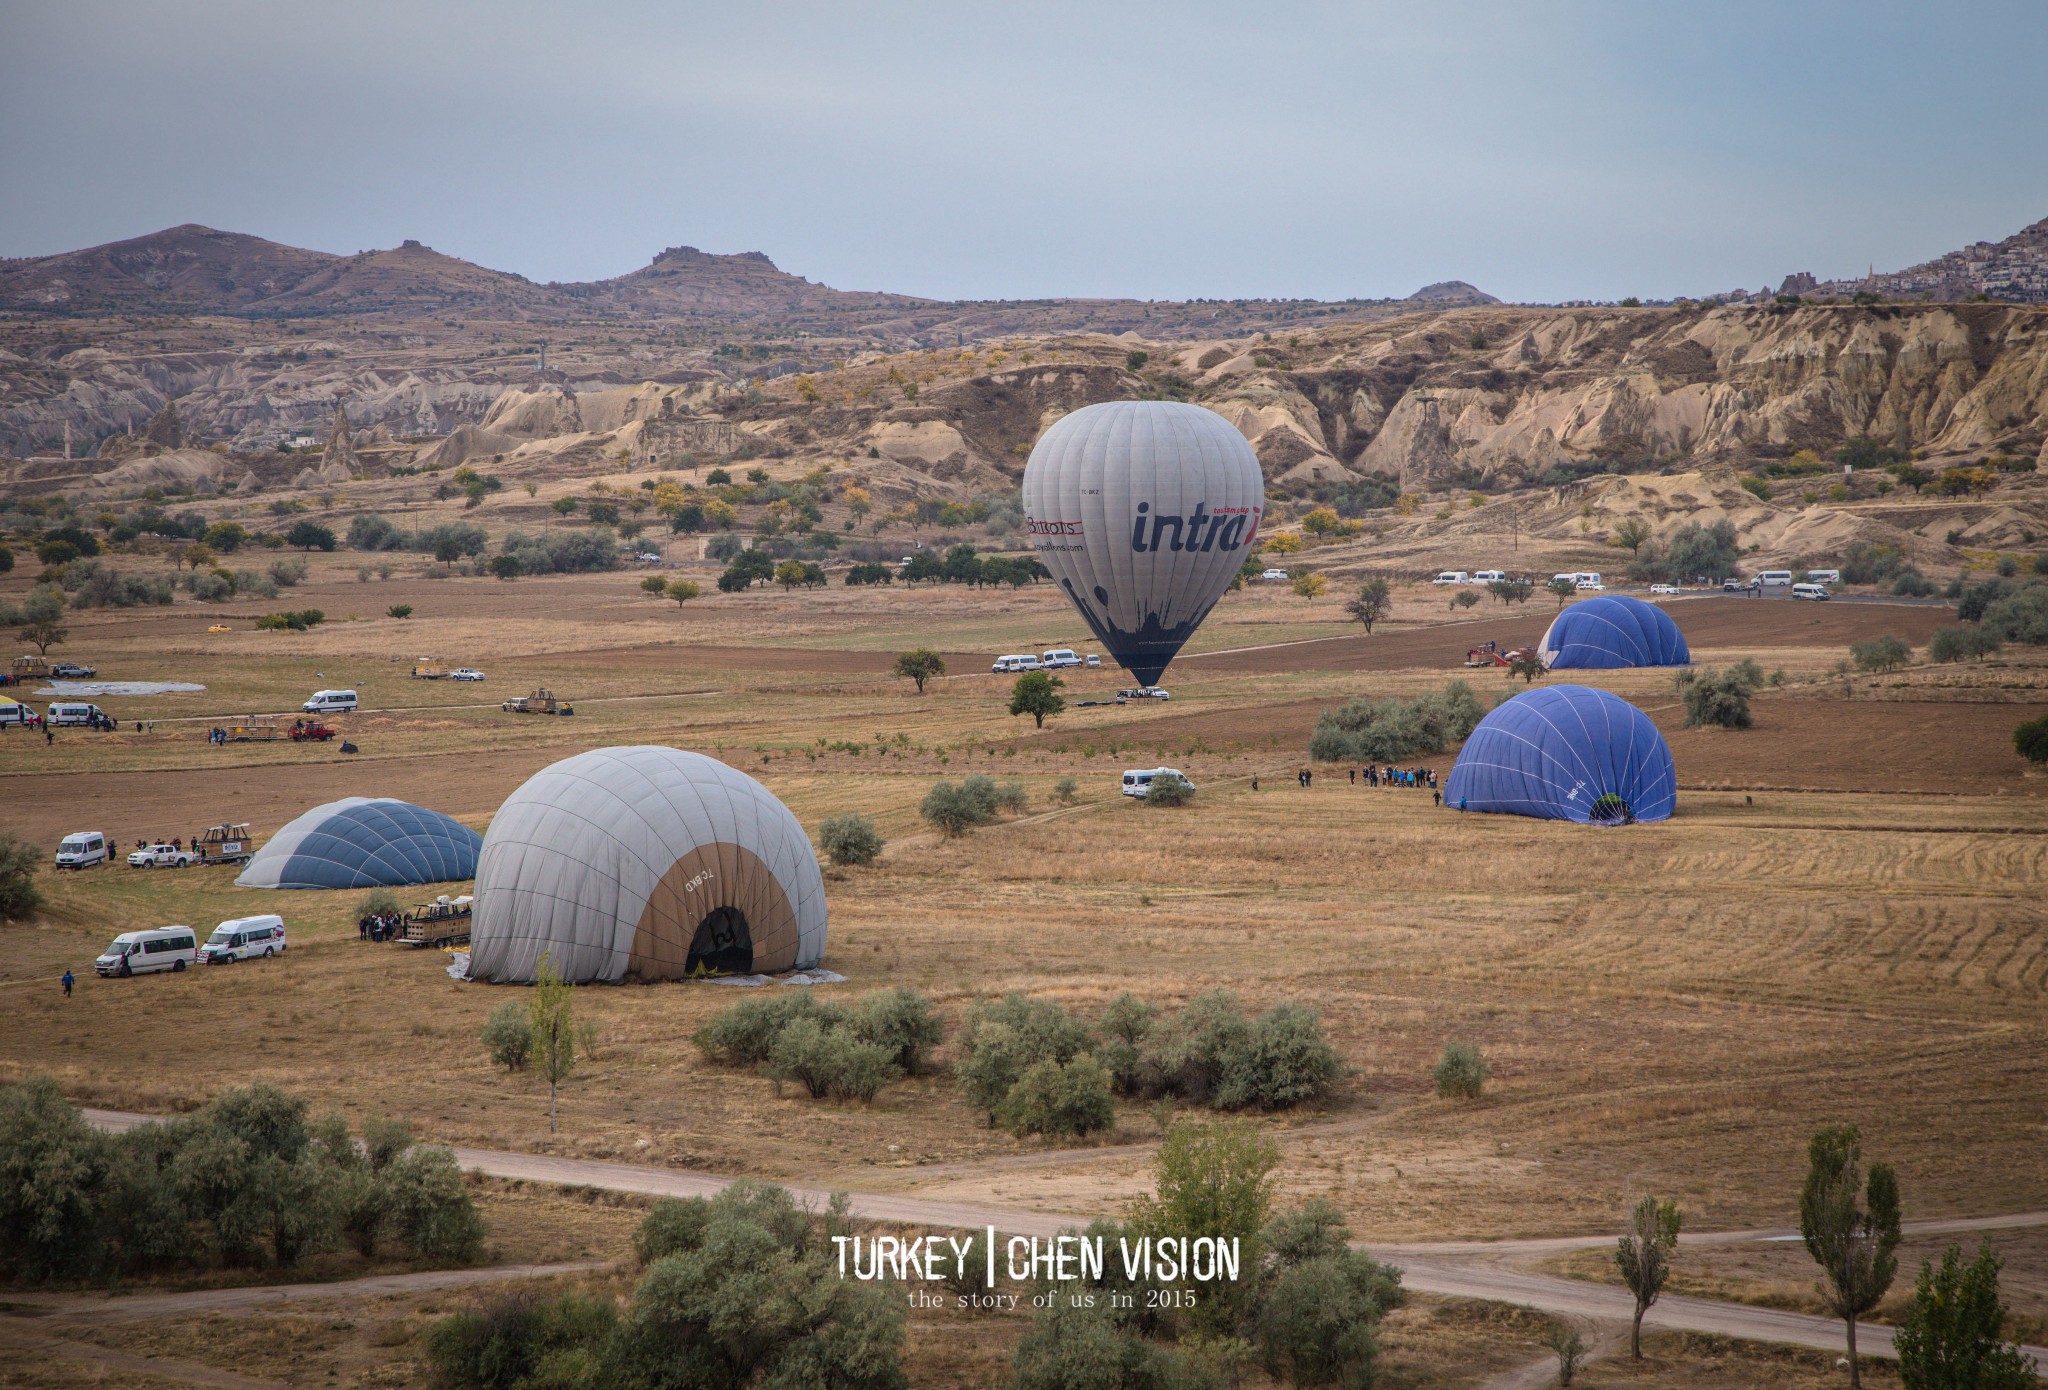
196, 270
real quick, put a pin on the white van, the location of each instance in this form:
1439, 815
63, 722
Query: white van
1059, 658
73, 713
139, 952
1823, 576
1138, 780
1452, 577
1772, 579
1489, 576
82, 849
1810, 591
331, 702
15, 712
1005, 665
244, 938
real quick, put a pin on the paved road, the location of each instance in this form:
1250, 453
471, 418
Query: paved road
1456, 1269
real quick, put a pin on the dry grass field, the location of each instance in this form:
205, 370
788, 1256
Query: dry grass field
1844, 922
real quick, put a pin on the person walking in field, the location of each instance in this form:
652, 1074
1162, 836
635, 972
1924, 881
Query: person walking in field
67, 982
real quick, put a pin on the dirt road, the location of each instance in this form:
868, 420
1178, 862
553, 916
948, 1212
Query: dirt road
1454, 1269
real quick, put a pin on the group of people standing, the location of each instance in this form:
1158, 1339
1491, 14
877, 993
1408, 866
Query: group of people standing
1420, 778
379, 926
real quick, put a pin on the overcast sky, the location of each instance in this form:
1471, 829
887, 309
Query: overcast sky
1543, 151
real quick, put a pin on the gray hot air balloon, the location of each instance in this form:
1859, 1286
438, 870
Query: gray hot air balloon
1143, 511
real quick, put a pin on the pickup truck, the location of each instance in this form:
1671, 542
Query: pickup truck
72, 671
162, 857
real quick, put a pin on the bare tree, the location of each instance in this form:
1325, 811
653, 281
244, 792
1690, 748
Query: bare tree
1856, 1246
1644, 1255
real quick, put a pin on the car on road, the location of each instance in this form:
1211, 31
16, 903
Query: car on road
1142, 692
648, 557
1092, 662
1590, 586
1823, 576
162, 857
331, 702
1489, 576
1059, 658
1005, 665
1811, 591
82, 849
467, 673
1732, 586
1138, 780
72, 671
1452, 577
244, 938
141, 952
1664, 588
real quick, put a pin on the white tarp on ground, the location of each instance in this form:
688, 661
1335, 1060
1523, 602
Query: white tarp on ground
73, 690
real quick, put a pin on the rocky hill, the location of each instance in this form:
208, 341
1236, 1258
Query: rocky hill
198, 271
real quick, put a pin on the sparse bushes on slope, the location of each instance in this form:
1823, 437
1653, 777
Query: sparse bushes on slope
1881, 654
1962, 643
956, 808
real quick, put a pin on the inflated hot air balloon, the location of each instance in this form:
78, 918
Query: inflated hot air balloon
1143, 511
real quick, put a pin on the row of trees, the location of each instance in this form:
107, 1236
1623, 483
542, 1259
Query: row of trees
250, 1179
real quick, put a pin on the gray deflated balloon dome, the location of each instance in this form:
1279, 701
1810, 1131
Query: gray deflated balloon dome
647, 862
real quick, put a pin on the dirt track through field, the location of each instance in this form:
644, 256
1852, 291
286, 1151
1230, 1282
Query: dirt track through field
1462, 1269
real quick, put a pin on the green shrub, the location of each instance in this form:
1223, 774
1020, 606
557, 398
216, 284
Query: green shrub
903, 1023
53, 1174
520, 1341
378, 901
850, 838
1881, 654
1053, 1099
744, 1035
1461, 1073
830, 1062
1010, 797
2020, 615
1718, 699
1064, 790
401, 611
1169, 789
956, 809
431, 1215
290, 571
673, 1227
2030, 740
508, 1036
1282, 1060
1953, 1333
1318, 1321
19, 897
1380, 731
1962, 643
1000, 1040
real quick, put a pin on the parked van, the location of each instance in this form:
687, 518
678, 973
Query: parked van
1810, 591
74, 713
1823, 576
82, 849
1093, 662
15, 712
1138, 781
1489, 576
1059, 658
1452, 577
1772, 579
244, 938
331, 702
140, 952
1005, 665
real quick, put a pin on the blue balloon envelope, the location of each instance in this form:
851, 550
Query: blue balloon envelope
1612, 631
1566, 752
365, 842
